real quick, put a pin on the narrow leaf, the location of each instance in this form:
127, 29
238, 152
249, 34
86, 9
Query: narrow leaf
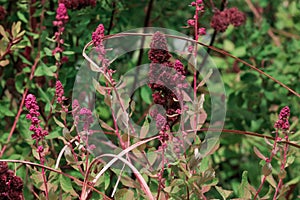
259, 154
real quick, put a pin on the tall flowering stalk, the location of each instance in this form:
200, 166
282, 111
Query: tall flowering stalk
164, 75
282, 124
194, 23
38, 133
61, 19
59, 94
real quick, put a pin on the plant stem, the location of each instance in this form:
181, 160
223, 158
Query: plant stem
283, 163
273, 153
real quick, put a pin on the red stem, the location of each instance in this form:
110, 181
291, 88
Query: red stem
273, 152
283, 162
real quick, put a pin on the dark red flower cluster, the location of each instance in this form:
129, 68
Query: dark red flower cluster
11, 186
283, 122
2, 13
61, 19
165, 78
78, 4
158, 49
33, 108
98, 38
222, 19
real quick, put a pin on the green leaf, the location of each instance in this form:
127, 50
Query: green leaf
22, 17
4, 33
5, 111
60, 124
66, 185
15, 29
146, 94
224, 193
244, 191
44, 70
68, 53
48, 51
19, 83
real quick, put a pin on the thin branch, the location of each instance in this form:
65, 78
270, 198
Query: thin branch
214, 49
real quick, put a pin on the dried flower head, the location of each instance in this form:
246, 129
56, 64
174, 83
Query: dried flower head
165, 75
220, 21
11, 186
236, 17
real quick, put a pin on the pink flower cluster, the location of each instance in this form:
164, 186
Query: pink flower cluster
61, 19
33, 108
11, 186
59, 93
222, 19
97, 38
82, 115
282, 123
165, 77
78, 4
98, 35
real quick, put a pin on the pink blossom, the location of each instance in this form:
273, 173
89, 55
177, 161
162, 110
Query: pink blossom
191, 22
61, 13
202, 31
31, 105
98, 35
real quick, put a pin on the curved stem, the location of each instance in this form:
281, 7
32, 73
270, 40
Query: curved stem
125, 151
208, 46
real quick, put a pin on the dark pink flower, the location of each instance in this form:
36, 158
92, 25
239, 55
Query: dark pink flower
98, 35
160, 121
61, 13
202, 31
283, 123
220, 21
236, 17
33, 108
191, 22
159, 49
59, 92
86, 117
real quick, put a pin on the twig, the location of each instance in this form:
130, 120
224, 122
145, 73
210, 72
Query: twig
214, 49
